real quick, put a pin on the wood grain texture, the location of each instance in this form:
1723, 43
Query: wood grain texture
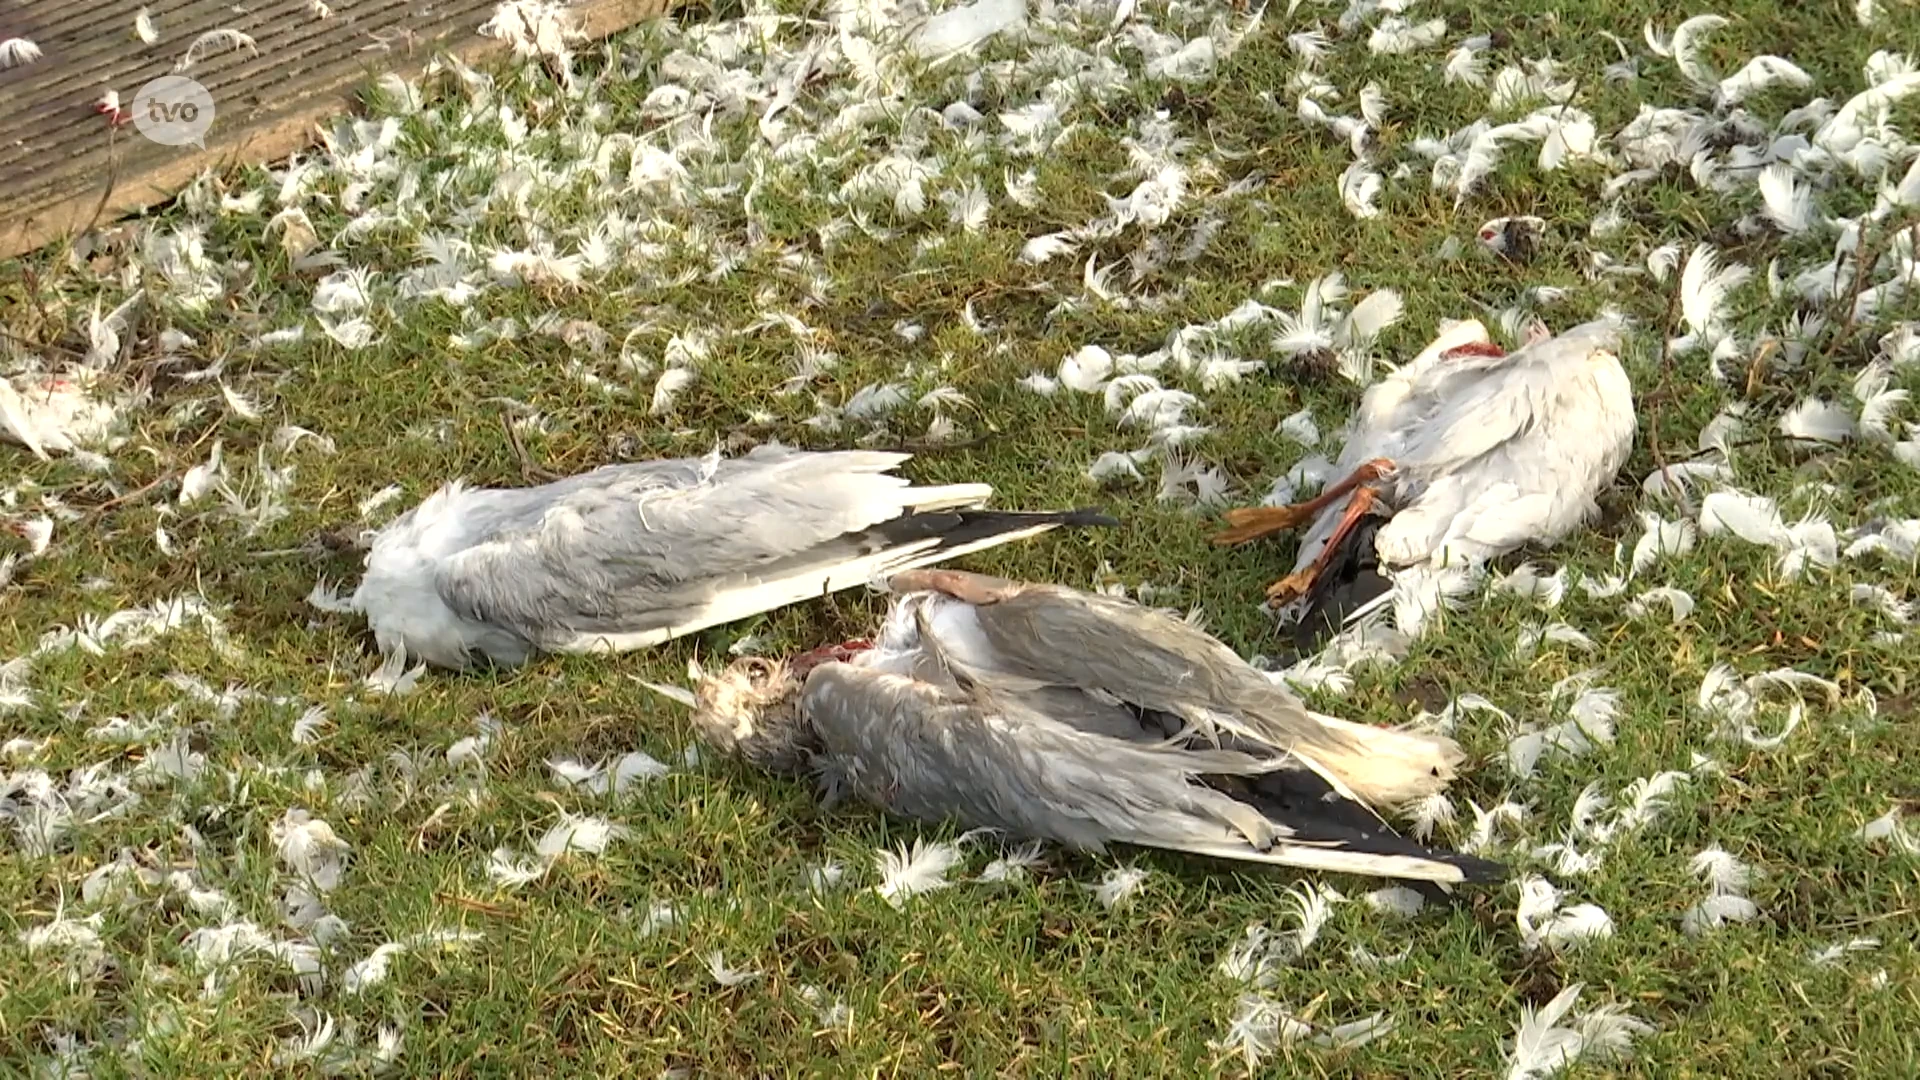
64, 168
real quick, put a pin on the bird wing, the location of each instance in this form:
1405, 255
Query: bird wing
645, 548
989, 760
1014, 636
1029, 635
1392, 408
1519, 457
1470, 405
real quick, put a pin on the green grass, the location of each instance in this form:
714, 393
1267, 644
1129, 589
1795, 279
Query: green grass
1030, 978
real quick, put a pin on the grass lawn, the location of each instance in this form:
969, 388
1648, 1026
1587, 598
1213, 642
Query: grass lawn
701, 242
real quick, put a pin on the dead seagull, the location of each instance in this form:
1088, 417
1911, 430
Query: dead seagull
629, 556
1464, 454
1051, 713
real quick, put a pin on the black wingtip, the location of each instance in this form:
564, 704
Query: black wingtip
1304, 800
1351, 581
1088, 517
1473, 871
959, 528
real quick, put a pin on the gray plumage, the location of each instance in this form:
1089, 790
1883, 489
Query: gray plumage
629, 556
1049, 712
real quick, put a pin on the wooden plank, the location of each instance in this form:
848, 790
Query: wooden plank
65, 169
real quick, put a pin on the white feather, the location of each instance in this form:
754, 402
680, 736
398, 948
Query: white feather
1395, 36
910, 871
1686, 51
1359, 187
1679, 602
18, 52
1704, 286
1817, 420
1789, 203
1661, 539
1716, 911
1762, 73
1753, 518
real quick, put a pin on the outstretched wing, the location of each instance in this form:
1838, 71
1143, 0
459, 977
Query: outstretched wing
637, 550
992, 761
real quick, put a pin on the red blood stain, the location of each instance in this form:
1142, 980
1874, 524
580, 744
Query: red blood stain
842, 653
1473, 348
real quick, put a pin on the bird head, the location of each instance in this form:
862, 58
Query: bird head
751, 710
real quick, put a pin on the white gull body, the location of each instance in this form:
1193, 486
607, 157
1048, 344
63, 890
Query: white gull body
630, 556
1468, 453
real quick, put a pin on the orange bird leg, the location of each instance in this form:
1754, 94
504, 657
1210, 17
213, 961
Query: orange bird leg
1296, 584
1254, 522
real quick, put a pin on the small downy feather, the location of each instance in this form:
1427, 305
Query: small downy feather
1879, 405
1371, 317
1542, 1047
310, 849
1890, 829
1527, 582
605, 778
1041, 249
1761, 74
1704, 287
1087, 370
1118, 886
1831, 954
1300, 428
1466, 64
1113, 465
1789, 203
1721, 870
392, 678
1543, 922
1662, 539
726, 976
1014, 864
1533, 635
223, 39
1395, 36
310, 725
1716, 911
1753, 518
1817, 420
1397, 901
1259, 1026
1359, 188
1679, 603
1687, 47
17, 52
910, 871
587, 834
667, 390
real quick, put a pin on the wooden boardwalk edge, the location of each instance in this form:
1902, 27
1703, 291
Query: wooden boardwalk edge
274, 137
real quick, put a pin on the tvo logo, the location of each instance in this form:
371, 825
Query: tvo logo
174, 110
